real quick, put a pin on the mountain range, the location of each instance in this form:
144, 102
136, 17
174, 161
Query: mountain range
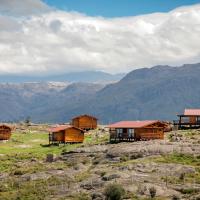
86, 76
159, 92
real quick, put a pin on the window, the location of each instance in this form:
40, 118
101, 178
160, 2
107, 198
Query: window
130, 132
119, 132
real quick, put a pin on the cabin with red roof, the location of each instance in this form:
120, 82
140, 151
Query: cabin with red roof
5, 132
190, 119
85, 122
136, 130
65, 134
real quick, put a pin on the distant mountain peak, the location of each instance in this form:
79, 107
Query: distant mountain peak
85, 76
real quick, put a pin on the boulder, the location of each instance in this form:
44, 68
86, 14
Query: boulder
97, 196
110, 177
50, 157
35, 176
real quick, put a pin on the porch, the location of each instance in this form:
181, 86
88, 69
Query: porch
187, 122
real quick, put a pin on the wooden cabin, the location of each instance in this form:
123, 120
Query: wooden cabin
190, 119
85, 122
5, 132
136, 130
65, 134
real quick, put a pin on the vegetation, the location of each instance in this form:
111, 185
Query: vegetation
31, 145
152, 192
80, 176
114, 192
185, 159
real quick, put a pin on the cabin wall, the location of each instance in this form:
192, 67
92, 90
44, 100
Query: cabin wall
85, 122
73, 135
193, 119
75, 122
140, 134
149, 133
5, 133
58, 136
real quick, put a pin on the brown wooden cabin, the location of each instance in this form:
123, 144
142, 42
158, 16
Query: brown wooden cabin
85, 122
5, 132
65, 134
190, 119
136, 130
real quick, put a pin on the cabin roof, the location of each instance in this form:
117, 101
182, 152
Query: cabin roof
62, 128
4, 125
79, 116
132, 124
192, 112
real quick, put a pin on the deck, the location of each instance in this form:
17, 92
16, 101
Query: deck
186, 124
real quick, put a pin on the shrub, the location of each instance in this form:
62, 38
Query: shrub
182, 176
137, 155
189, 191
18, 172
152, 192
124, 158
142, 189
83, 196
175, 197
103, 173
114, 192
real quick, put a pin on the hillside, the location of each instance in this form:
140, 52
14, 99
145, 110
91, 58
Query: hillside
18, 101
83, 171
156, 93
149, 93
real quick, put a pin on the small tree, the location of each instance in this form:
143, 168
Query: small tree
152, 192
28, 120
114, 192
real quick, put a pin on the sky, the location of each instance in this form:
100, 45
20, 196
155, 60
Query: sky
118, 8
56, 36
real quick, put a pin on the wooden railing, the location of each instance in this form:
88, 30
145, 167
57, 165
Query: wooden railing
185, 122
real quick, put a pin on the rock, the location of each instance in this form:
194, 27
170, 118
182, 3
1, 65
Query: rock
50, 158
123, 168
89, 185
33, 160
36, 176
4, 176
97, 196
115, 159
110, 177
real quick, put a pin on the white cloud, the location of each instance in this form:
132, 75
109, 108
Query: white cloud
23, 7
58, 41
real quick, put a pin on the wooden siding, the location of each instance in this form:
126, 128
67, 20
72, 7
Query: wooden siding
73, 135
70, 135
193, 119
5, 132
151, 132
85, 122
58, 136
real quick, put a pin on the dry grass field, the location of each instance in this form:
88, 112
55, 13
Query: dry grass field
82, 171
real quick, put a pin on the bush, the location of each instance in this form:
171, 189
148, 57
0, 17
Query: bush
114, 192
83, 196
18, 172
182, 176
189, 191
175, 197
142, 189
152, 192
